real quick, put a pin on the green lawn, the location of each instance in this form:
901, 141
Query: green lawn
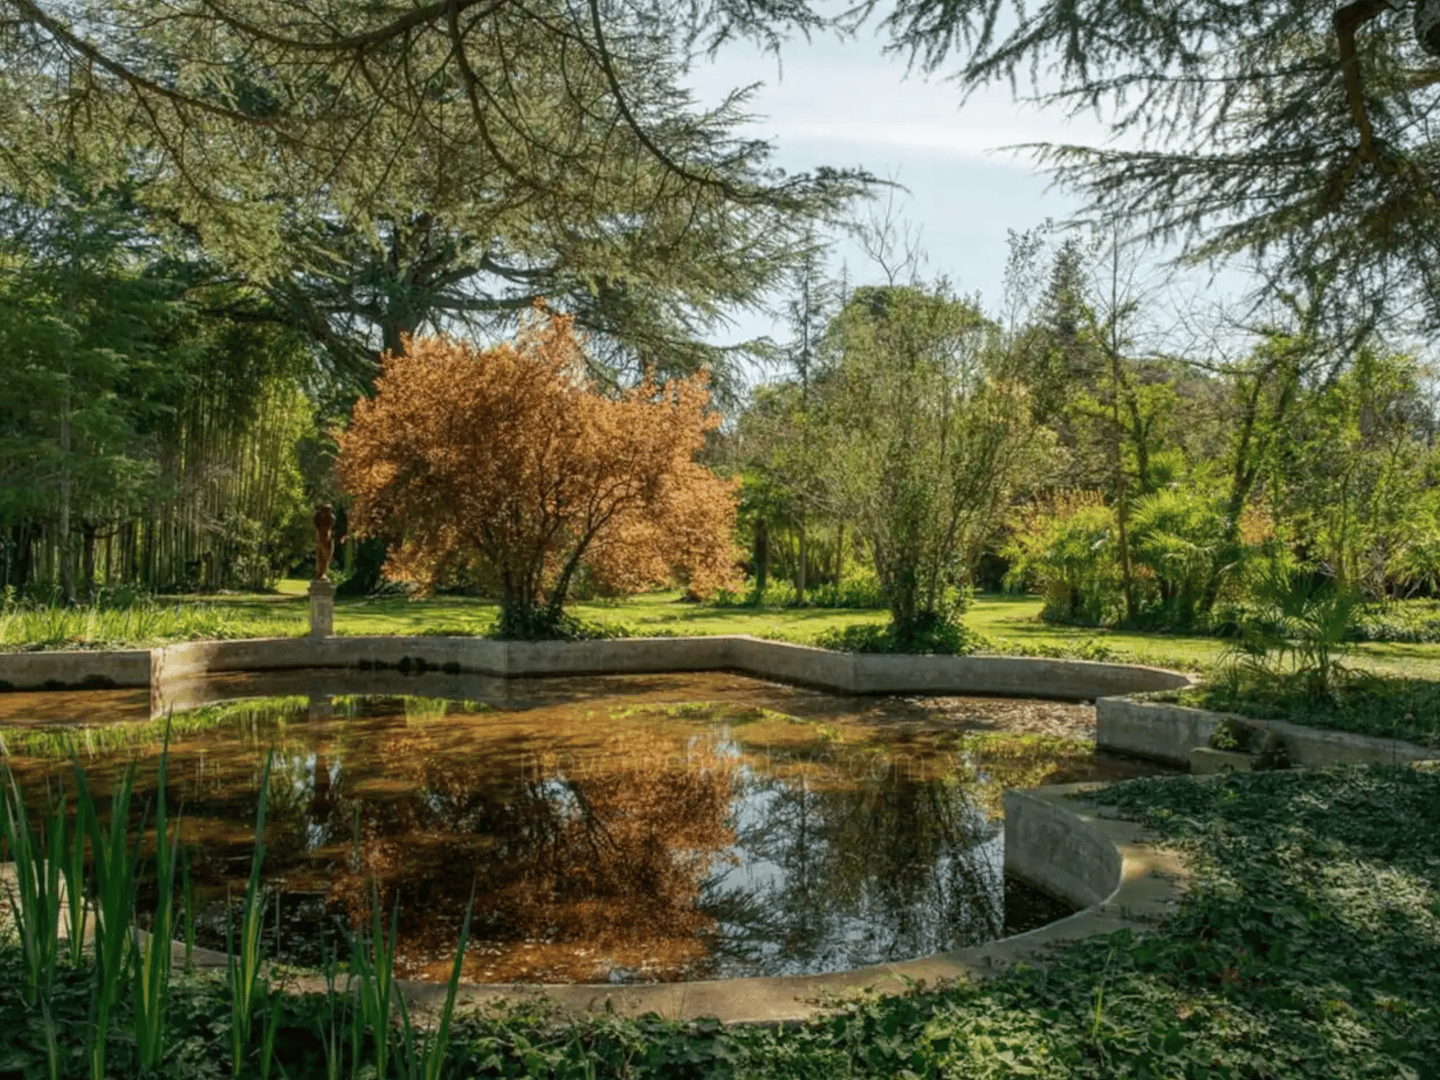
999, 616
1011, 622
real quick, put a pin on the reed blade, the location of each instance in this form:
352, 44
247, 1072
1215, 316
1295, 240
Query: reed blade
242, 968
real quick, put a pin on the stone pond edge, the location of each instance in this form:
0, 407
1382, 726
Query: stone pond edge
1056, 838
161, 667
1168, 733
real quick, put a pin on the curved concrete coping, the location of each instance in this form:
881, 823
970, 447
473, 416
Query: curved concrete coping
164, 668
1164, 732
1065, 846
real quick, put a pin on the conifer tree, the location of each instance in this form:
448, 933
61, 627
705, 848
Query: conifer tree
1298, 131
387, 168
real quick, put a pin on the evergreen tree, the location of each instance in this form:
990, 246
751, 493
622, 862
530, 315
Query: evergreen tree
130, 416
395, 168
1294, 130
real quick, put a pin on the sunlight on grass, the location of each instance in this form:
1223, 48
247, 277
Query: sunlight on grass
141, 625
1011, 622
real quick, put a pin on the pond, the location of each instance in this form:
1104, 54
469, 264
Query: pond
636, 828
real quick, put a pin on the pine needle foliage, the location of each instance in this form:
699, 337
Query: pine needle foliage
1298, 131
392, 168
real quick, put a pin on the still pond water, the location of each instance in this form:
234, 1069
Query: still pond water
620, 829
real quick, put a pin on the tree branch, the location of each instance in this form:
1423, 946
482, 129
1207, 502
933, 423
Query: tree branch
135, 81
358, 43
1347, 21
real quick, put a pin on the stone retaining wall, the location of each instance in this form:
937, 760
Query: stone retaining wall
161, 668
1051, 846
1165, 732
59, 670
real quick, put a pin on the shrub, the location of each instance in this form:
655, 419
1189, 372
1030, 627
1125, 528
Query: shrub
545, 625
1066, 548
1412, 621
1177, 540
927, 634
507, 464
1295, 636
860, 591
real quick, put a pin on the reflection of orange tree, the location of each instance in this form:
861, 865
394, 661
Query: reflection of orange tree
606, 860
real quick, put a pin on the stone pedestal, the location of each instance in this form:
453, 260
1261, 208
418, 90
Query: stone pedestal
322, 609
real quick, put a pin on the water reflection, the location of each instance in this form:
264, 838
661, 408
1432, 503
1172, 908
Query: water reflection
606, 839
832, 879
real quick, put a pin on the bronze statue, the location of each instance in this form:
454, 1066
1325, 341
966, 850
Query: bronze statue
324, 540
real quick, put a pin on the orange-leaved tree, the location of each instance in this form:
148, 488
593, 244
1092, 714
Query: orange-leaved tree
507, 463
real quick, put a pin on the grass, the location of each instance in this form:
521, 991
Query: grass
1011, 622
1308, 946
262, 719
144, 625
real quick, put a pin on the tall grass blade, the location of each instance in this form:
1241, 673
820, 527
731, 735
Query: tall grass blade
36, 901
330, 1022
374, 964
242, 966
151, 980
114, 871
52, 1047
79, 910
267, 1036
427, 1066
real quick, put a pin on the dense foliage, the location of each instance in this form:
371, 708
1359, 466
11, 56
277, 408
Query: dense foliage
1070, 454
380, 171
1290, 130
506, 464
144, 441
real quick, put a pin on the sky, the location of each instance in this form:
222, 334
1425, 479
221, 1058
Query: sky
843, 103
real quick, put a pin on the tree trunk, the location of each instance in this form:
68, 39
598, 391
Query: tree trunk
1122, 494
1127, 570
369, 557
762, 555
802, 569
87, 559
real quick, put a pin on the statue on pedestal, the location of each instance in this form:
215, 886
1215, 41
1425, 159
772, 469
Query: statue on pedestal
324, 540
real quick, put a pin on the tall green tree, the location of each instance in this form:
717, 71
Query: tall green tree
1357, 471
386, 169
81, 375
928, 435
133, 423
1293, 130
